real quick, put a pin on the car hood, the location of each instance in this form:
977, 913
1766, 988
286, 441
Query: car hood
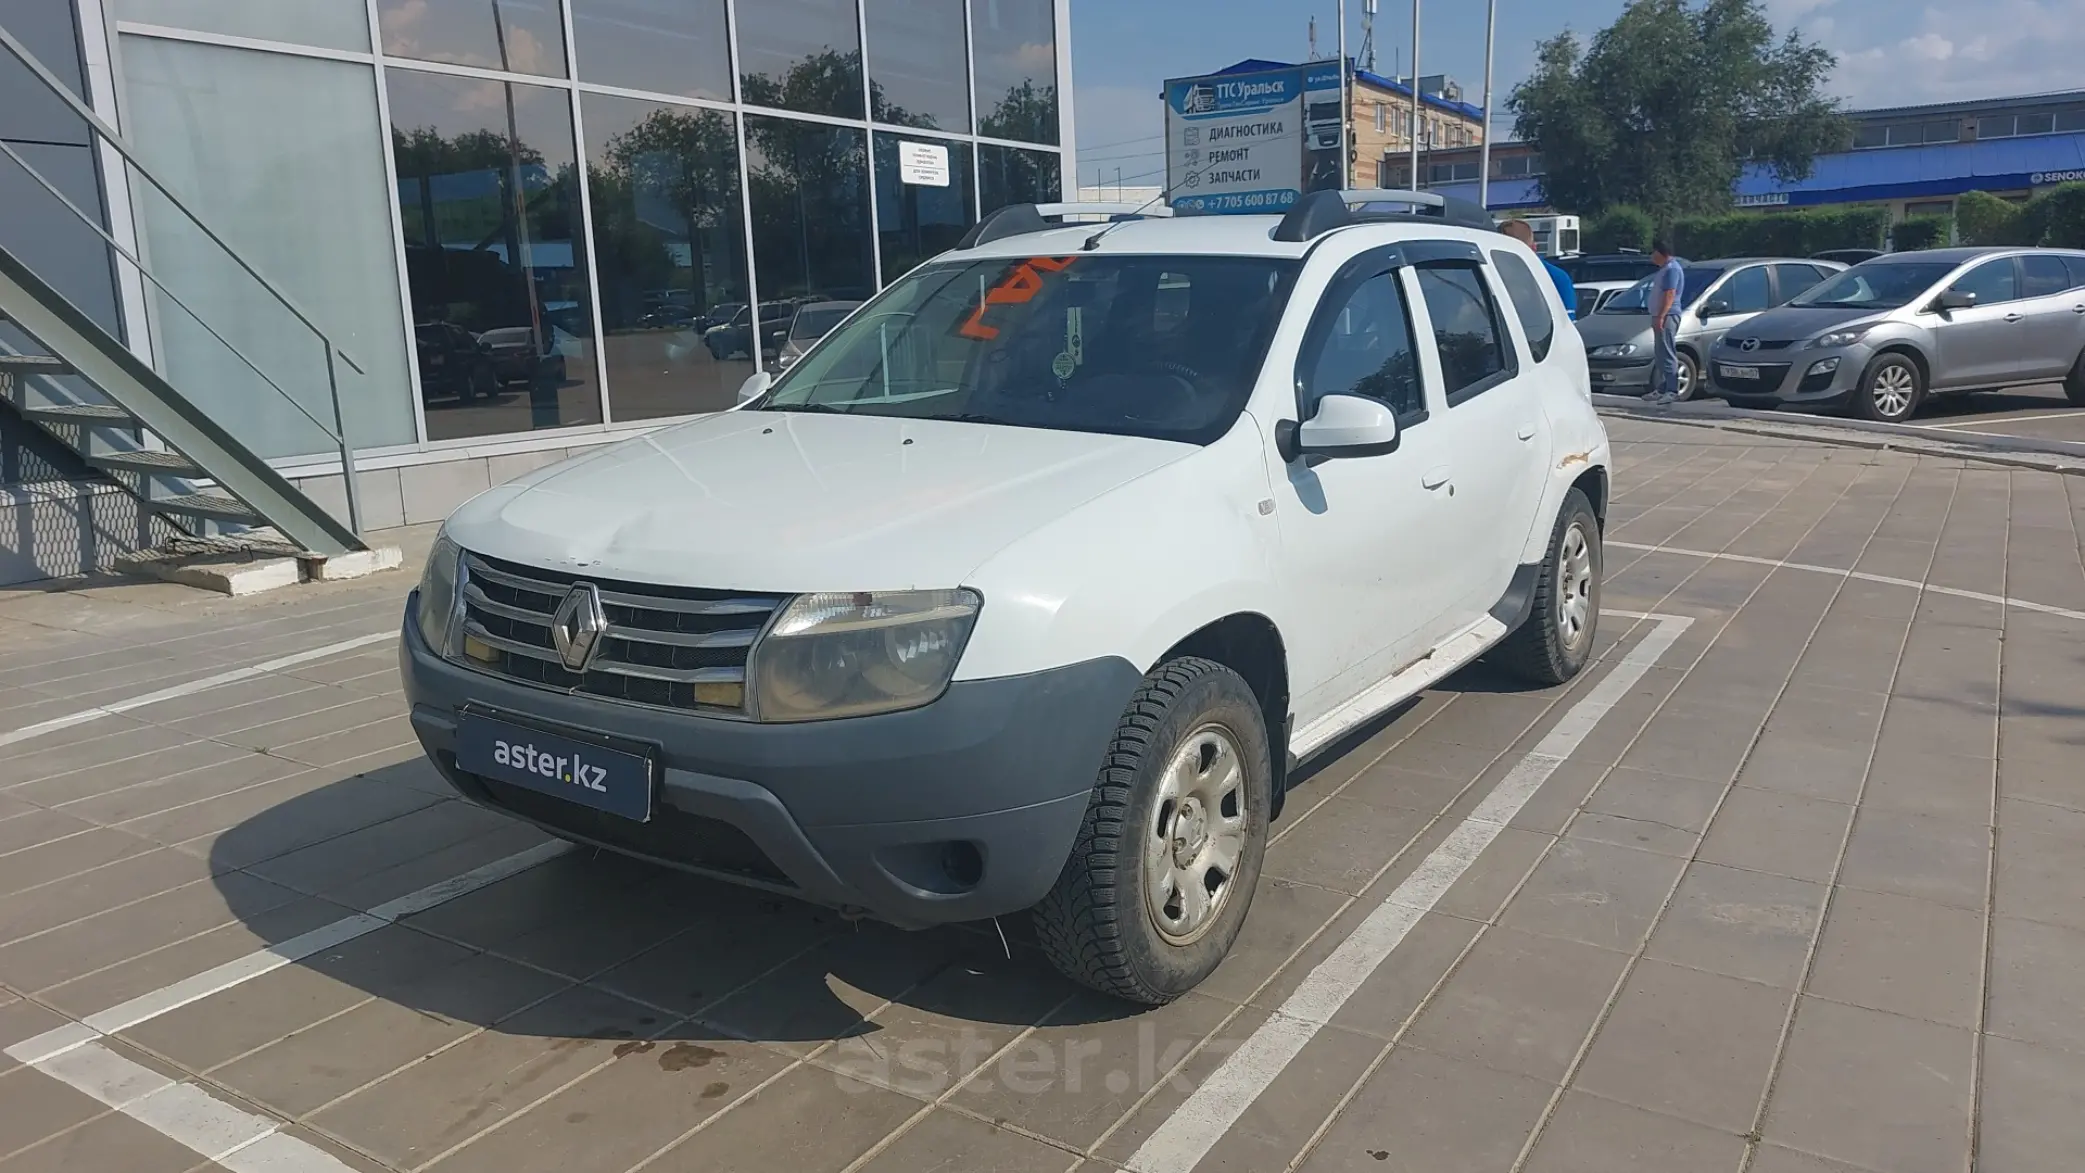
1795, 323
785, 502
1609, 329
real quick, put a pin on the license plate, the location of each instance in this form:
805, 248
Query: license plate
1740, 372
563, 765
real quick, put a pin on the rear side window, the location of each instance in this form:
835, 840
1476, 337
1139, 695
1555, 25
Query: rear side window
1365, 348
2076, 265
1796, 278
1466, 329
1747, 291
1525, 290
2046, 275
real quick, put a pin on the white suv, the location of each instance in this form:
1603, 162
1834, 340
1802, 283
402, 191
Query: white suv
1027, 587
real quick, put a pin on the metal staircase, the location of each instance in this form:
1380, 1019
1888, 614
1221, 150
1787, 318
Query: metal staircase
64, 372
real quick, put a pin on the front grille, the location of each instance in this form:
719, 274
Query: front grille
1771, 375
1763, 344
670, 647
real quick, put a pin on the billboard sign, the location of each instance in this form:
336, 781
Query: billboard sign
1234, 143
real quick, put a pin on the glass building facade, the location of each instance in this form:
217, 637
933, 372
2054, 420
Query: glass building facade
527, 216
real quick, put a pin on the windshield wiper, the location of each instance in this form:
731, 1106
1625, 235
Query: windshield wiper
1844, 305
806, 408
972, 417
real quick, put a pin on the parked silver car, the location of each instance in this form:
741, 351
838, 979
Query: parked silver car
1718, 296
1882, 336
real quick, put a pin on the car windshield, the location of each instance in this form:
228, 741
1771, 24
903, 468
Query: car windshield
1637, 298
1885, 285
1166, 347
817, 321
1587, 269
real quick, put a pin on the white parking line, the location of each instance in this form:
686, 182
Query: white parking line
1862, 576
1201, 1121
41, 1050
190, 688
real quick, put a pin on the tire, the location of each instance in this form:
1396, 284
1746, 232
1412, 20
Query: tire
1690, 376
1890, 390
2074, 383
483, 383
1555, 642
1098, 924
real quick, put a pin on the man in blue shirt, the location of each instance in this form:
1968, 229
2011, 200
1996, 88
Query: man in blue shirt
1666, 286
1519, 230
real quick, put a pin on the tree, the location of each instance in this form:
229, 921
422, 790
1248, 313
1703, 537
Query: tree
1670, 102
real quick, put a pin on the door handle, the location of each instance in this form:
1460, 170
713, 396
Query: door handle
2078, 309
1527, 431
1434, 478
2013, 318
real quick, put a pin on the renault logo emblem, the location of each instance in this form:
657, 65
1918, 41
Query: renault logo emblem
1749, 344
577, 627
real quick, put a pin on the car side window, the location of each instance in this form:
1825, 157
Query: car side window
2045, 275
1796, 279
1748, 291
1466, 331
1992, 282
2076, 265
1525, 290
1364, 347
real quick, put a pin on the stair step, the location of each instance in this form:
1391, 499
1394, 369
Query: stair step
160, 464
209, 506
34, 364
81, 413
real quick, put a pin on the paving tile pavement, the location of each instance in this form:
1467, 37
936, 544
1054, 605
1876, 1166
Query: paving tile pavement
1804, 901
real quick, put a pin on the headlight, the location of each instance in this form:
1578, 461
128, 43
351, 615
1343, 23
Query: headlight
1618, 350
848, 655
1838, 338
438, 593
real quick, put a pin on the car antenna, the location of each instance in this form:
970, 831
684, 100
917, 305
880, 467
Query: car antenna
1093, 241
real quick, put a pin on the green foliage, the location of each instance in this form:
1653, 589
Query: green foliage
1921, 232
1666, 104
1618, 228
1795, 233
2059, 214
1984, 219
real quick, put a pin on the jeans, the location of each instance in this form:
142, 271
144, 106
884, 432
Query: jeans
1667, 380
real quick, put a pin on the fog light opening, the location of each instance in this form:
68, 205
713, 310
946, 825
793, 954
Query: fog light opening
963, 863
1824, 366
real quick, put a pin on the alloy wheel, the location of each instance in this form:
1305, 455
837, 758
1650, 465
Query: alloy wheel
1893, 389
1575, 586
1196, 836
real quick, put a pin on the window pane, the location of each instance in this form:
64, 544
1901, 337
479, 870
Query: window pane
493, 254
2067, 120
1871, 136
1525, 288
1009, 176
329, 24
2000, 126
1464, 327
1795, 279
2037, 123
2046, 275
918, 64
1016, 48
810, 214
2076, 265
668, 46
670, 242
1366, 350
276, 152
801, 55
524, 36
919, 221
1991, 281
1944, 132
1748, 291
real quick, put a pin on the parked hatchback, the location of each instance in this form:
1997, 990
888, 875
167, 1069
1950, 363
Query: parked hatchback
1024, 588
1717, 296
1884, 335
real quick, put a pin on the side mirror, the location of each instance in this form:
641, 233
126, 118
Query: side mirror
1715, 308
754, 387
1344, 426
1956, 299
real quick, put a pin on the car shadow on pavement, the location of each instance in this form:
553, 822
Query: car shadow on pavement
594, 945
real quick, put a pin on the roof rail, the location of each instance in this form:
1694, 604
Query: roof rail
1322, 211
1021, 219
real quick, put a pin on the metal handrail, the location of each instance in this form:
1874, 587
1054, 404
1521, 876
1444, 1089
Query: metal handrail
109, 134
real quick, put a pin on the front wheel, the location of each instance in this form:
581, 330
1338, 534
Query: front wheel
2074, 383
1690, 376
1555, 642
1160, 878
1890, 390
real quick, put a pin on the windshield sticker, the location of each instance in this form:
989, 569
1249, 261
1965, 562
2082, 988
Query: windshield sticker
1075, 335
1064, 366
1018, 287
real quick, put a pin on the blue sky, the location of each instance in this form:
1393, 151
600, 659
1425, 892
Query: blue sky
1891, 52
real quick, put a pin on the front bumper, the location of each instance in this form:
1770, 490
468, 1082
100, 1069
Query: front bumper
1621, 376
964, 809
1788, 376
